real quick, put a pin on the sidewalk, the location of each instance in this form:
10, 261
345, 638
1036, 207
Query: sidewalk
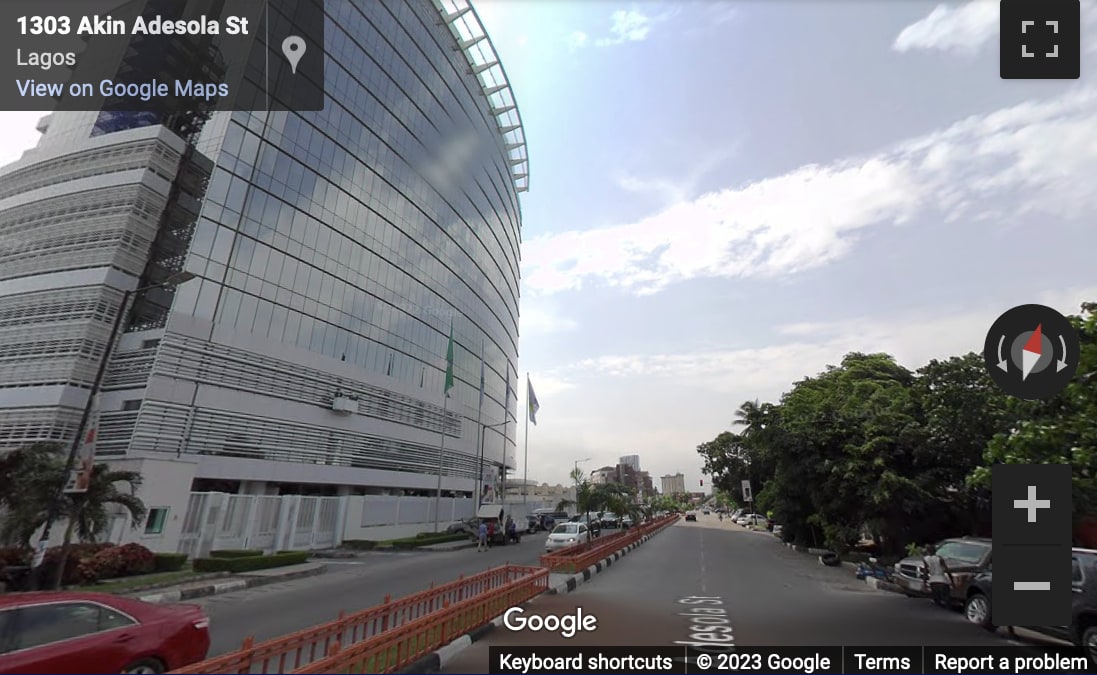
230, 583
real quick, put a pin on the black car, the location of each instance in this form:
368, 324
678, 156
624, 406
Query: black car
691, 517
1082, 630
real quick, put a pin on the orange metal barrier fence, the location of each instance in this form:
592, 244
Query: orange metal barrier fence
403, 646
581, 556
296, 650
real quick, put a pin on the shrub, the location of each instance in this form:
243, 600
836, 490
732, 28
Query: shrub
136, 559
426, 539
359, 544
234, 553
168, 562
12, 557
78, 553
250, 564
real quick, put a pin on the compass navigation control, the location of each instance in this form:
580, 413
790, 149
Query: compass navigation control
1032, 352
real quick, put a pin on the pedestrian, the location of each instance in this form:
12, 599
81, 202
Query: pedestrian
938, 576
512, 530
491, 533
482, 537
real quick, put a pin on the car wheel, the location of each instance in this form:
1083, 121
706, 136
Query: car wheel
144, 667
1089, 643
977, 611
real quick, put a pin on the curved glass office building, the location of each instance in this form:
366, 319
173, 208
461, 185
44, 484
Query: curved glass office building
334, 254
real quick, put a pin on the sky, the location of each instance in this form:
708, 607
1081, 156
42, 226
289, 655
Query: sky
726, 197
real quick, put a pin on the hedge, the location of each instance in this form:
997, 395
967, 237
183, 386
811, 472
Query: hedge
234, 553
359, 544
427, 540
169, 562
250, 564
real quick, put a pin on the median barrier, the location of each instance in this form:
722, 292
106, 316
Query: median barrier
381, 622
581, 556
403, 646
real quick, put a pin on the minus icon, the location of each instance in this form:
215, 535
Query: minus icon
1032, 585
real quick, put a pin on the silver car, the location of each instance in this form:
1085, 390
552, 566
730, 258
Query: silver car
566, 535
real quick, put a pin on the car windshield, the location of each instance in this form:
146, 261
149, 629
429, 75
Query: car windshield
566, 528
962, 551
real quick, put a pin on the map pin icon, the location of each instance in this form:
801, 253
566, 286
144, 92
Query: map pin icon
294, 48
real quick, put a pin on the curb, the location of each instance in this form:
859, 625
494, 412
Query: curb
441, 657
578, 579
238, 584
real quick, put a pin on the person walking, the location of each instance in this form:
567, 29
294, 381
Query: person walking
938, 576
512, 530
491, 533
482, 537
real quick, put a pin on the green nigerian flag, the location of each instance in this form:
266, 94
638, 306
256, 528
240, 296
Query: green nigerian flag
449, 361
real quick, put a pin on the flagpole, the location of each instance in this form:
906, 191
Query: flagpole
480, 435
525, 459
441, 454
506, 423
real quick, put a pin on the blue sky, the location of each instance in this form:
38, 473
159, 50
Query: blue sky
728, 196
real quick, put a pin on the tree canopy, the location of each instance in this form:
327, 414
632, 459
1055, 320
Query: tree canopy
870, 446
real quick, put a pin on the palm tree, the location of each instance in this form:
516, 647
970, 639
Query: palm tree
86, 512
597, 499
29, 477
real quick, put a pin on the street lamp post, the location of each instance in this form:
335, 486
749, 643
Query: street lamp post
55, 504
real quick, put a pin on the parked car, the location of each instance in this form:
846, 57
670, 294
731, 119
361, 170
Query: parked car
964, 556
469, 526
1082, 630
66, 632
593, 523
566, 535
752, 519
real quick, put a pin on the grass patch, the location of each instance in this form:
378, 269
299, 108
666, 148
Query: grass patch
130, 583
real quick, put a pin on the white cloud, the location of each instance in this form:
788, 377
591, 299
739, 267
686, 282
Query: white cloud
914, 338
628, 26
1042, 153
576, 40
968, 27
540, 319
964, 28
682, 186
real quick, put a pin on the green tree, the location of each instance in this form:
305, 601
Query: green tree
1060, 430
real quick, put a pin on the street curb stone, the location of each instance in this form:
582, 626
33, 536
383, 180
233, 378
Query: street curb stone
218, 588
440, 658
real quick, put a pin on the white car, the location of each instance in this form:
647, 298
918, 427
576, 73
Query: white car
565, 535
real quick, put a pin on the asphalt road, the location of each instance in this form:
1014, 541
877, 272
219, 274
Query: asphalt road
270, 611
772, 596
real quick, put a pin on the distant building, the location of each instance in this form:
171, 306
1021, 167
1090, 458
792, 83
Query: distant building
631, 460
607, 474
673, 484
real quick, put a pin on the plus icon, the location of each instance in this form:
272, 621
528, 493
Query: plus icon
1041, 39
1031, 504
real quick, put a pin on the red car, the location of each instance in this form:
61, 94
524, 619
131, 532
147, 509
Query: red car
64, 632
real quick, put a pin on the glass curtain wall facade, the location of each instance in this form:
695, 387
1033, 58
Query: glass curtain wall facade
336, 251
